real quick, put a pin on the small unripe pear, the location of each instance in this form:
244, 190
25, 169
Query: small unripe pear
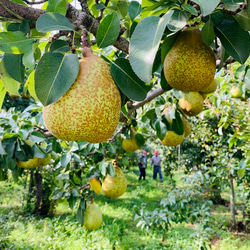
92, 216
130, 144
236, 92
211, 87
187, 127
34, 162
191, 103
172, 139
190, 64
115, 186
90, 109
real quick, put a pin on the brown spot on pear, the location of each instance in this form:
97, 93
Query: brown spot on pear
92, 216
90, 109
115, 186
190, 64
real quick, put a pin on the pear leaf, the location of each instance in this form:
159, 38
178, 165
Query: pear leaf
207, 32
177, 124
243, 18
14, 66
144, 44
108, 30
15, 42
207, 7
59, 6
235, 40
178, 20
127, 81
161, 129
2, 93
10, 84
134, 9
54, 75
53, 21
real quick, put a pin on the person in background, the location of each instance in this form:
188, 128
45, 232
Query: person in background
156, 161
143, 165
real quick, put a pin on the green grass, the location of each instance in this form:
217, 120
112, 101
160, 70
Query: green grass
19, 230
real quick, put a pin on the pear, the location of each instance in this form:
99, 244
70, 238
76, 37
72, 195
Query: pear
190, 65
187, 127
115, 186
191, 103
236, 92
172, 139
90, 109
34, 162
130, 144
211, 87
92, 216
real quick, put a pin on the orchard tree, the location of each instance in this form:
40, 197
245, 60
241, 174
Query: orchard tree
138, 43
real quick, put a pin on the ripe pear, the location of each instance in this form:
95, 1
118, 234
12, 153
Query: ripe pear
130, 144
191, 103
172, 139
115, 186
236, 92
190, 64
34, 162
92, 216
90, 109
187, 127
211, 87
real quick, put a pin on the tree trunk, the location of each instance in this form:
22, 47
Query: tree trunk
232, 203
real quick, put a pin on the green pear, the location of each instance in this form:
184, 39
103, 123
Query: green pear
236, 92
130, 144
115, 186
211, 87
90, 109
172, 139
190, 64
191, 103
92, 216
34, 162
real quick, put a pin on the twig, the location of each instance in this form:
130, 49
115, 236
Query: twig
32, 3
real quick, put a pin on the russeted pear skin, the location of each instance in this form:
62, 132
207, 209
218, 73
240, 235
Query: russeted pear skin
92, 216
130, 144
190, 65
90, 109
191, 103
115, 187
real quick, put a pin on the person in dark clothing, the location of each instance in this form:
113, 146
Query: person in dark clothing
143, 165
156, 161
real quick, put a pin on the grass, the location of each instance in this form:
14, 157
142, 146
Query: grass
20, 230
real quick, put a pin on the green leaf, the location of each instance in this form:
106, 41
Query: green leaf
15, 42
134, 10
207, 6
77, 180
102, 167
59, 6
161, 129
36, 137
111, 169
178, 20
108, 30
140, 140
128, 81
164, 84
54, 75
53, 21
65, 159
207, 32
243, 18
14, 66
80, 215
235, 40
167, 45
2, 151
2, 92
190, 9
59, 46
177, 124
39, 152
11, 85
144, 44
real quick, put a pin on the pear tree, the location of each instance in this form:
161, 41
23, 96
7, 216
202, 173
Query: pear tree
42, 44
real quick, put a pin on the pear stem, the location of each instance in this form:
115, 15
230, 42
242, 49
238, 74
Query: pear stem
86, 49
